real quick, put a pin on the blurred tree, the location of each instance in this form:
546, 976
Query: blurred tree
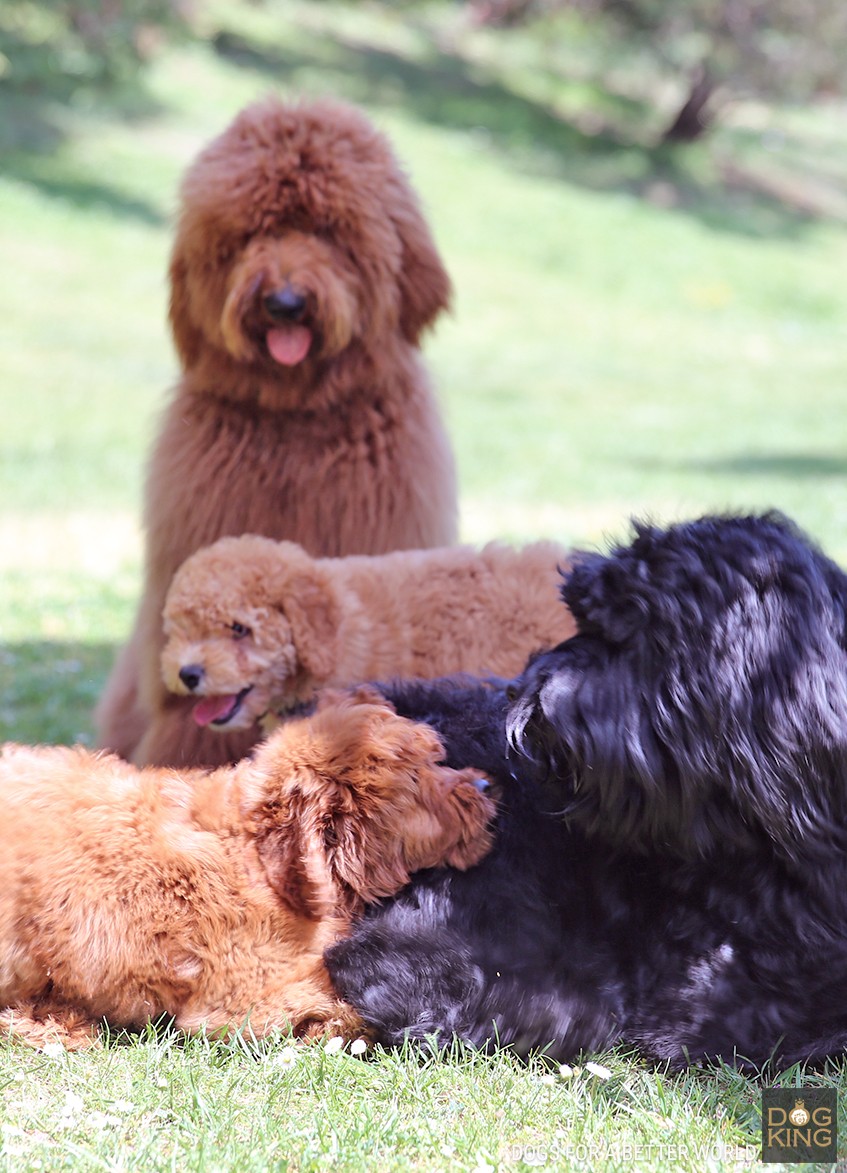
791, 49
63, 44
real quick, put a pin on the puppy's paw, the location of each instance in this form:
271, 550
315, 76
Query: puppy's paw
47, 1026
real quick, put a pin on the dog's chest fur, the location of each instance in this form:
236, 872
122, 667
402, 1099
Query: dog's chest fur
221, 468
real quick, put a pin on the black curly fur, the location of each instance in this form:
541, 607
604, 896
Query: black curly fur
671, 870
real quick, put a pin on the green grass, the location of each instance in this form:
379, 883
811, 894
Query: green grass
635, 332
162, 1103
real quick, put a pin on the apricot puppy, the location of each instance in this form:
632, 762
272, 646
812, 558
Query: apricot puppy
253, 627
129, 894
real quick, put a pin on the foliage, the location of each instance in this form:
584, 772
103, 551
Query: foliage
75, 42
791, 49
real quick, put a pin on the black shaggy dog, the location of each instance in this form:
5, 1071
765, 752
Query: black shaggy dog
672, 864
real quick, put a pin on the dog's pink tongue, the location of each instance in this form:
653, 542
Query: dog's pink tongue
213, 707
289, 344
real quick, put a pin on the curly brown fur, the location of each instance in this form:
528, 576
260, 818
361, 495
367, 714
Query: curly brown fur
302, 277
209, 896
253, 627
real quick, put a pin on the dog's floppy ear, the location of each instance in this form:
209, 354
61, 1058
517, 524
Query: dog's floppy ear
304, 591
425, 287
364, 870
295, 864
188, 339
316, 834
313, 609
289, 799
601, 597
318, 860
286, 866
647, 582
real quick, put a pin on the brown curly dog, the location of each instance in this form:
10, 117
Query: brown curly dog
302, 277
210, 896
253, 627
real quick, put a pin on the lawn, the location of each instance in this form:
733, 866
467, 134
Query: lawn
634, 333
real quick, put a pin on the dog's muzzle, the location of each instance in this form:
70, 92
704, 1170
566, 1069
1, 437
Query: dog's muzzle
285, 305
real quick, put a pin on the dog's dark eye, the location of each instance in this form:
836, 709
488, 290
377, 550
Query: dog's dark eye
239, 630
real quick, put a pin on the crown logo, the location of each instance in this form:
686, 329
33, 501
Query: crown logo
799, 1115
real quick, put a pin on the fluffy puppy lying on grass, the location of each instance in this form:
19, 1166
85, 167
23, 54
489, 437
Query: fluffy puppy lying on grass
253, 627
209, 896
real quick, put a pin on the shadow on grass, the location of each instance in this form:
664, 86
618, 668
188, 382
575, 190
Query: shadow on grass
443, 90
793, 465
48, 690
33, 127
603, 150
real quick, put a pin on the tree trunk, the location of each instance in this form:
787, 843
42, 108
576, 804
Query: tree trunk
694, 117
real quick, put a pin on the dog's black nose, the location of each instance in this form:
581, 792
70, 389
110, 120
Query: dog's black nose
285, 304
191, 675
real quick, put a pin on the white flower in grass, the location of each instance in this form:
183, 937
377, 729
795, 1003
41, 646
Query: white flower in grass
123, 1106
286, 1058
548, 1080
70, 1110
599, 1070
358, 1046
13, 1138
72, 1104
565, 1071
54, 1050
334, 1046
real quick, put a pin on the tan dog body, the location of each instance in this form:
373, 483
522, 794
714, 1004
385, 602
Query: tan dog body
211, 896
251, 613
322, 428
